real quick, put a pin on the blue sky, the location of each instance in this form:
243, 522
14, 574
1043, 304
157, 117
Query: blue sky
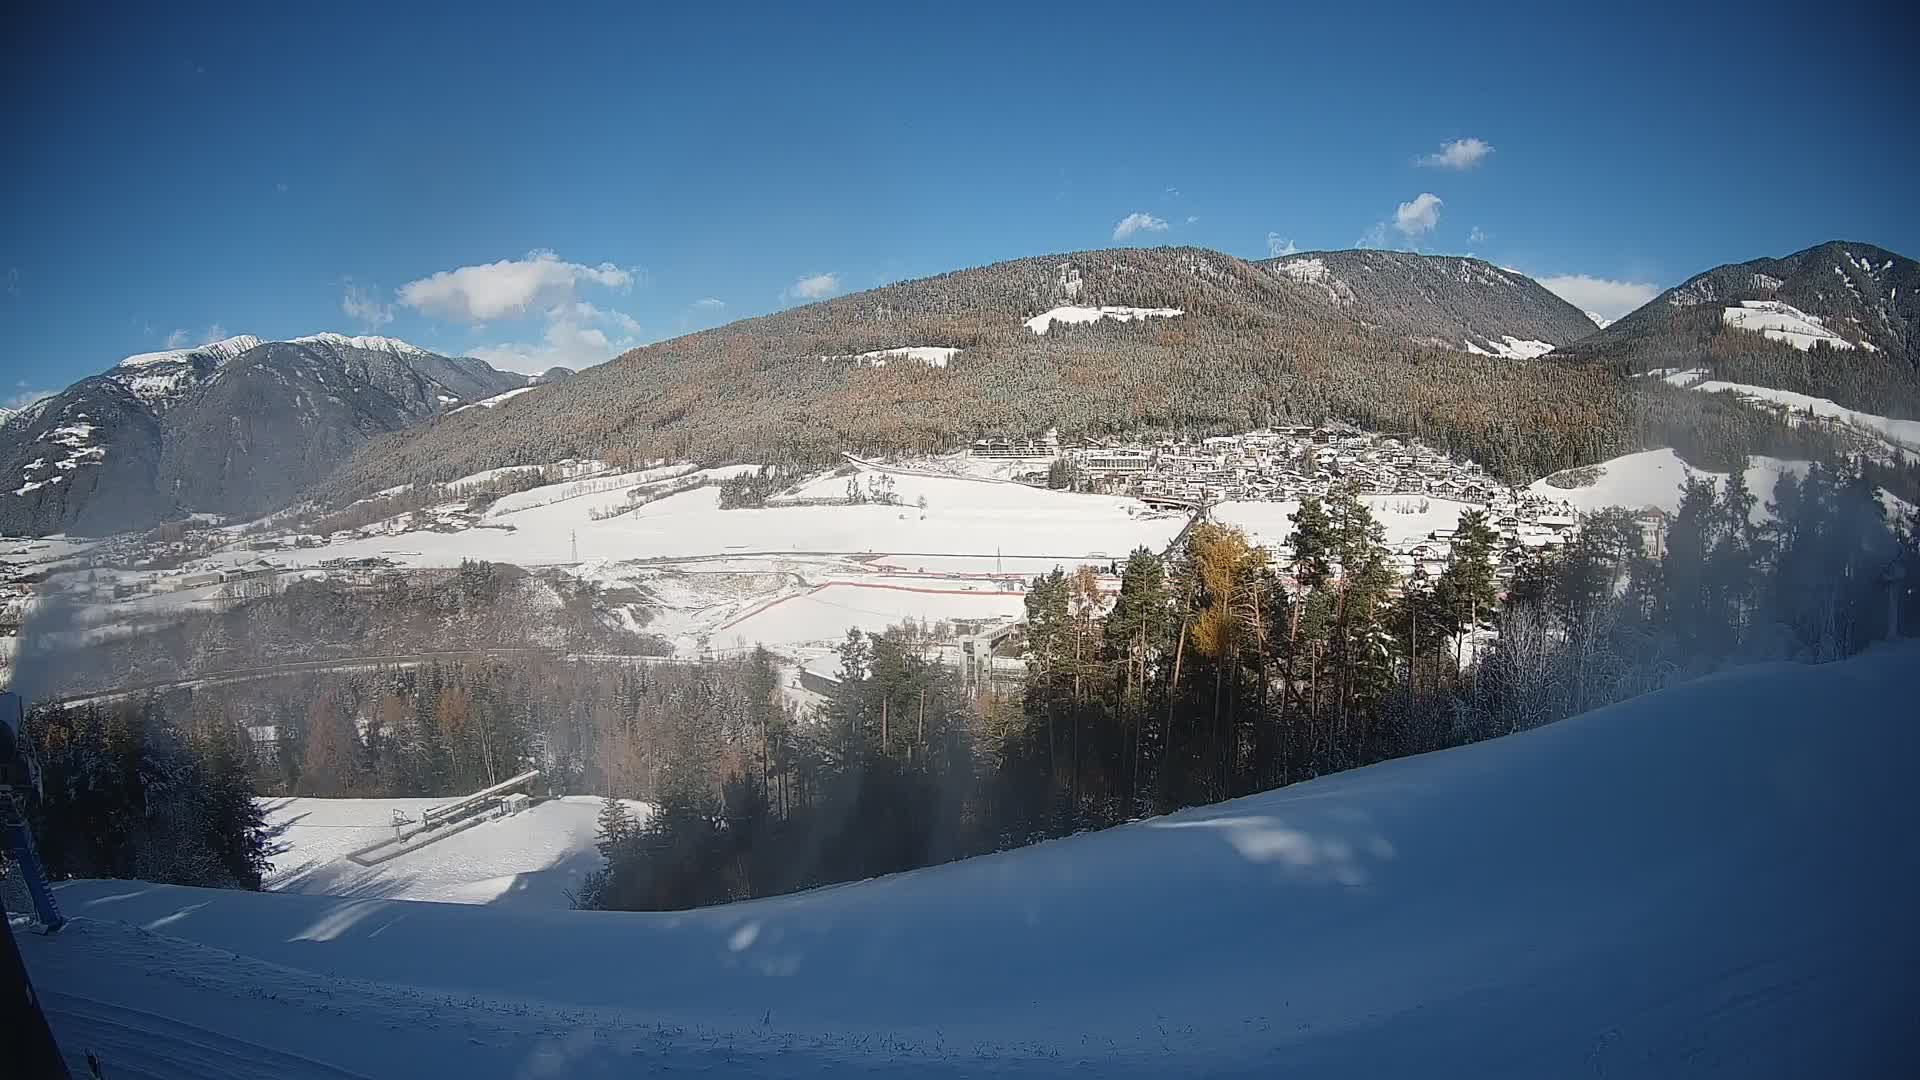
534, 186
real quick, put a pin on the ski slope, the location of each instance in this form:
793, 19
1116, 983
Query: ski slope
1716, 880
532, 859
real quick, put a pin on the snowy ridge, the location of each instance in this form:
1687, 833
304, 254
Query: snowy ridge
219, 351
1599, 320
1040, 323
368, 343
1747, 912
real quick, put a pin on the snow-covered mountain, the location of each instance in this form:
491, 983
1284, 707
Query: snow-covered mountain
1709, 880
1599, 320
234, 426
1465, 304
1843, 295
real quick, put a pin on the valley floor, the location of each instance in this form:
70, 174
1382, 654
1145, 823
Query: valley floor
1714, 880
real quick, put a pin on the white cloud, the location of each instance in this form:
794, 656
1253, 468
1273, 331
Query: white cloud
1134, 223
363, 307
509, 288
814, 287
22, 398
1193, 219
1278, 245
584, 312
710, 302
1458, 154
571, 340
1375, 236
1604, 297
1477, 235
1418, 217
177, 339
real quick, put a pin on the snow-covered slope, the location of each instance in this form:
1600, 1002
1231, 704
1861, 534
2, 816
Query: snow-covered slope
1715, 880
531, 859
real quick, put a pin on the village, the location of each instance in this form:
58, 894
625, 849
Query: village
1398, 477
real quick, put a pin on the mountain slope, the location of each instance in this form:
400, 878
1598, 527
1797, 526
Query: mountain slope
1858, 296
1091, 343
1839, 321
1456, 303
236, 426
1711, 880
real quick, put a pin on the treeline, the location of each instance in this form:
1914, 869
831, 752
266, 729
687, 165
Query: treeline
124, 793
476, 606
1230, 669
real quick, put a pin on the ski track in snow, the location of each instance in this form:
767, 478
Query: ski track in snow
1713, 880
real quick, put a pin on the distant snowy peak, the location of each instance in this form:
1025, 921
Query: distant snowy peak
217, 351
367, 343
1599, 320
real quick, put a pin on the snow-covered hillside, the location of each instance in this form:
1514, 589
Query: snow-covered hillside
1510, 347
1783, 322
1652, 479
930, 355
1711, 881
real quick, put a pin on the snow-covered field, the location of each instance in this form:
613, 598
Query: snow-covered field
532, 859
1404, 518
783, 576
1042, 322
1716, 880
1653, 478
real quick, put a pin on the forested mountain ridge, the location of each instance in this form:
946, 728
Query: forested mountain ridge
1248, 346
1450, 302
1839, 320
238, 426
